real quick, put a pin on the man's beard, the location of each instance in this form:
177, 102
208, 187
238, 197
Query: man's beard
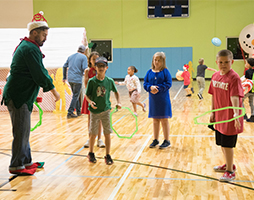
39, 42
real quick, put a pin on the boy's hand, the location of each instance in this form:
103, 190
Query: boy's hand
212, 117
116, 82
93, 105
154, 89
118, 106
237, 124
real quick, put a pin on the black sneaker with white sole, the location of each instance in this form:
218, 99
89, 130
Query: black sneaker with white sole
154, 143
165, 144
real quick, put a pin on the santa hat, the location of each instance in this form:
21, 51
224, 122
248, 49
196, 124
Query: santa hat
37, 21
186, 67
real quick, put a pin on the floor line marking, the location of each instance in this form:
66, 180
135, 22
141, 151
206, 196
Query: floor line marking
178, 92
64, 161
120, 183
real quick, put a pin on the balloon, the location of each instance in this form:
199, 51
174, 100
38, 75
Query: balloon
246, 39
178, 75
216, 41
247, 85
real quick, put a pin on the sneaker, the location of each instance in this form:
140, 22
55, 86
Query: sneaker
100, 143
227, 176
35, 165
108, 160
200, 96
144, 109
72, 115
188, 95
91, 157
135, 113
23, 172
165, 144
192, 90
251, 119
79, 114
245, 117
211, 127
154, 143
86, 145
222, 168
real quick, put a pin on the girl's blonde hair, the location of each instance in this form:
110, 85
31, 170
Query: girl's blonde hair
163, 57
201, 61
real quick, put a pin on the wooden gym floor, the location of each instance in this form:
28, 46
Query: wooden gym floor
184, 171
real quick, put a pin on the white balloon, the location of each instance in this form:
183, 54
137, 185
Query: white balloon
246, 39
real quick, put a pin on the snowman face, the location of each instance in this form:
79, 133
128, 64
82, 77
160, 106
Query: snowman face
246, 39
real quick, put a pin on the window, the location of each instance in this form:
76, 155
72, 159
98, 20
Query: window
103, 47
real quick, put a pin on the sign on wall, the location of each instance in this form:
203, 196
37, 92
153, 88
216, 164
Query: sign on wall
168, 8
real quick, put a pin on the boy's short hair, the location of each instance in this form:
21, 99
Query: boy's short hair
250, 61
201, 61
102, 60
225, 52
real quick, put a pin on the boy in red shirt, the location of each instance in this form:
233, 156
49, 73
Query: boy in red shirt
186, 80
226, 90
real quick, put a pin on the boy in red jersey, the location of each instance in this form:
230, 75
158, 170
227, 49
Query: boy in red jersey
226, 90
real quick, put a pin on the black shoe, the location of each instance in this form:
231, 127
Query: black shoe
165, 144
245, 117
211, 127
72, 115
200, 96
251, 119
154, 143
192, 90
108, 160
79, 114
188, 95
91, 157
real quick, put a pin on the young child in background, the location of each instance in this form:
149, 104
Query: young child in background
89, 73
226, 90
249, 75
133, 85
157, 82
186, 80
201, 76
98, 95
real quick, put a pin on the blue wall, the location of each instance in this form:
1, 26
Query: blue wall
141, 58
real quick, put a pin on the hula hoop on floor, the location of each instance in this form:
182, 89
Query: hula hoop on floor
111, 125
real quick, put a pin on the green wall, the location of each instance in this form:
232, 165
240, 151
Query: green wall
126, 22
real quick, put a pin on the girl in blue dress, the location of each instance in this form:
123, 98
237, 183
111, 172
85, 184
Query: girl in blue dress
157, 82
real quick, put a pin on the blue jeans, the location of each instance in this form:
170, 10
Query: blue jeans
75, 103
20, 119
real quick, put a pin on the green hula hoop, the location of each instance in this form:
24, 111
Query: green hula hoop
111, 125
220, 122
40, 114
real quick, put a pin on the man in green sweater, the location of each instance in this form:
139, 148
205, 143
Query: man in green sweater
27, 75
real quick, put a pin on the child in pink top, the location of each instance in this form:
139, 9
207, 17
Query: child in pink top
133, 85
226, 90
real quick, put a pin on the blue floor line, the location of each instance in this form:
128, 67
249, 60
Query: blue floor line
64, 161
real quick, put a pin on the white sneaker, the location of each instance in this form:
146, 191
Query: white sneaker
100, 143
87, 144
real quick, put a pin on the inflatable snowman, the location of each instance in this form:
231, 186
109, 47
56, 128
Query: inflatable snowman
246, 39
